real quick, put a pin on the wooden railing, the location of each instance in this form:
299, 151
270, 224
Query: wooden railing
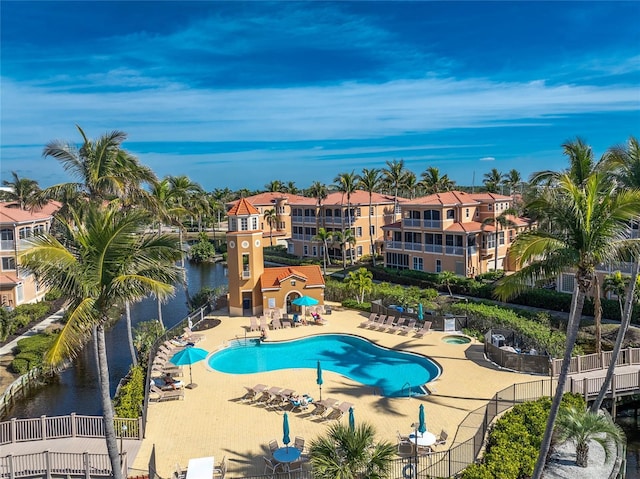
58, 427
594, 362
47, 464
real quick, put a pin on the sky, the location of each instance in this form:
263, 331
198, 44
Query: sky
236, 94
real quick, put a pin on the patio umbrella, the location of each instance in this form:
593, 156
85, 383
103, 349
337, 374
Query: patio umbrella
319, 378
305, 301
422, 426
420, 312
352, 420
189, 355
285, 430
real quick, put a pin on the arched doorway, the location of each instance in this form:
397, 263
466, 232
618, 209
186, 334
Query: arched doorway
292, 308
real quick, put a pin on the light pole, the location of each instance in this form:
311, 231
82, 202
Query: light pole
415, 437
123, 431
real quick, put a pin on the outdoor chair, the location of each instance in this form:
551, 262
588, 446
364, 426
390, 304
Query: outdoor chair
426, 328
179, 473
295, 466
321, 407
167, 395
406, 449
339, 410
269, 395
270, 467
220, 471
275, 323
397, 327
253, 393
387, 323
263, 323
253, 323
299, 444
410, 326
281, 399
442, 439
377, 321
286, 324
191, 336
273, 445
370, 321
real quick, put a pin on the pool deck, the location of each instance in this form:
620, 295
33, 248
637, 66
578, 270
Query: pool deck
212, 421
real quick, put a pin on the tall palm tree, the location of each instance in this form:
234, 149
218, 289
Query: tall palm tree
105, 260
492, 180
617, 284
394, 174
350, 454
325, 237
434, 182
590, 224
318, 191
360, 281
512, 180
271, 217
274, 186
410, 184
625, 160
346, 184
291, 188
583, 427
370, 180
23, 190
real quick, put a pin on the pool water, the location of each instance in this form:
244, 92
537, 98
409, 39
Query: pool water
456, 340
390, 373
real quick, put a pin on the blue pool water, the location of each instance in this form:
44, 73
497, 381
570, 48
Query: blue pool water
392, 373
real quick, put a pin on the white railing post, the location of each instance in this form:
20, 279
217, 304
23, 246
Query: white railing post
86, 465
74, 429
13, 429
43, 427
12, 472
47, 461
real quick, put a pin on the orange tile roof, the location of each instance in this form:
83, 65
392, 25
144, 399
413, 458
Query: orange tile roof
243, 208
359, 197
273, 277
490, 197
469, 227
446, 199
393, 226
10, 212
270, 197
9, 278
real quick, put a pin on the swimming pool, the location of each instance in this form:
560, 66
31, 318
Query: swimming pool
392, 373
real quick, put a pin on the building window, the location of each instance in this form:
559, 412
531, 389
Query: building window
19, 293
501, 237
244, 224
490, 207
371, 211
398, 209
8, 263
567, 282
25, 233
38, 230
315, 251
372, 231
359, 231
467, 212
358, 212
305, 249
397, 260
359, 251
438, 266
418, 264
254, 223
290, 248
451, 215
233, 225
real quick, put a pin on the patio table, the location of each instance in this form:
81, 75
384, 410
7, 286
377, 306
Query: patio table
200, 468
424, 438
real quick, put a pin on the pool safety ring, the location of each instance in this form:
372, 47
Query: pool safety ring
408, 471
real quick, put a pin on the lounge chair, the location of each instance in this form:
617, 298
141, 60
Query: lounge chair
253, 323
286, 324
321, 407
275, 323
387, 323
370, 321
426, 328
191, 336
377, 321
410, 326
263, 323
339, 410
269, 395
282, 399
397, 327
160, 395
253, 393
318, 319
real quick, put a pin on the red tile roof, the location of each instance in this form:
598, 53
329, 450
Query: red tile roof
469, 227
274, 277
270, 197
393, 226
448, 198
9, 278
11, 213
243, 208
359, 197
490, 197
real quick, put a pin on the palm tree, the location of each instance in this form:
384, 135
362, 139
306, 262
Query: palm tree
446, 278
394, 174
105, 260
271, 217
410, 184
512, 180
318, 191
500, 221
625, 160
617, 284
349, 241
433, 182
291, 188
350, 454
274, 186
583, 427
360, 281
326, 237
492, 180
23, 190
370, 181
346, 184
590, 223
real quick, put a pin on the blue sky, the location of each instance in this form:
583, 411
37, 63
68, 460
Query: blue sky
237, 94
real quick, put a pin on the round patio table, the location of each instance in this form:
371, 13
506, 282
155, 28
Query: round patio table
286, 454
424, 438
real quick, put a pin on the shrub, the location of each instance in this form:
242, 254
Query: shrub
53, 294
128, 402
290, 261
353, 304
30, 352
203, 250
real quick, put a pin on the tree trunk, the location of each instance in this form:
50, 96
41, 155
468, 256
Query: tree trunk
598, 314
184, 275
160, 314
132, 349
582, 454
624, 326
373, 250
325, 255
577, 303
107, 407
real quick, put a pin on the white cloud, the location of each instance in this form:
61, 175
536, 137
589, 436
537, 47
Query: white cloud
488, 158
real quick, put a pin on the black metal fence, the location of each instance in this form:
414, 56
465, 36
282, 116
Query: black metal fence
438, 323
517, 361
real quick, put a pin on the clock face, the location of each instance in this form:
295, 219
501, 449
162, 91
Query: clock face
232, 244
257, 243
245, 244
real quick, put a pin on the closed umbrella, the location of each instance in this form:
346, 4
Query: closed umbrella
422, 426
189, 355
319, 378
285, 431
352, 420
420, 312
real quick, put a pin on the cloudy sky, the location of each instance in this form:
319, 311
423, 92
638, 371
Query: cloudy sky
237, 94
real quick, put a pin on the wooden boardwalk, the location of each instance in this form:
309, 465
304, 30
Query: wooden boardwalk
70, 444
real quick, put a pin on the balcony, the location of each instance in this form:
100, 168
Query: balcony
393, 245
454, 250
7, 245
433, 248
246, 274
413, 246
412, 222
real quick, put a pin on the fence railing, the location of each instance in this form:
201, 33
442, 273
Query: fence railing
523, 362
594, 362
58, 427
47, 464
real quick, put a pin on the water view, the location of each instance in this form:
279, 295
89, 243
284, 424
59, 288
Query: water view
76, 388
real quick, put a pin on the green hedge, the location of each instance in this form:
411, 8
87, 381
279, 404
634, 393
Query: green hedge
30, 352
482, 317
128, 403
388, 293
290, 261
353, 304
506, 458
19, 317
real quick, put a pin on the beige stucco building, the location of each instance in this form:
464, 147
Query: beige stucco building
453, 231
17, 226
254, 289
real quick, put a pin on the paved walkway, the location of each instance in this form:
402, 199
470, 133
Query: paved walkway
38, 328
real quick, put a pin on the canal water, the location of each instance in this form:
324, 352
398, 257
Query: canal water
76, 388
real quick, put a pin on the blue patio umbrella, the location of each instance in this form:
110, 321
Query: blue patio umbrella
352, 420
422, 426
189, 355
420, 312
319, 378
285, 430
305, 301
